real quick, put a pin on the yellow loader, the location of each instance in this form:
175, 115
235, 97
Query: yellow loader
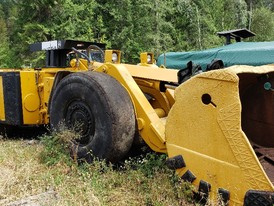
217, 128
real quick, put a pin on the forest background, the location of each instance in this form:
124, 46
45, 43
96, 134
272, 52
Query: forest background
132, 26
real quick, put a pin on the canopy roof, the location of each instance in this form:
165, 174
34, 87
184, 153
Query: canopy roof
240, 53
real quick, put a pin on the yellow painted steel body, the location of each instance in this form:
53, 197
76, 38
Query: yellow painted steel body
36, 88
150, 125
35, 92
207, 133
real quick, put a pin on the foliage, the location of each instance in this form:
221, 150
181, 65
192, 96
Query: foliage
263, 24
149, 164
100, 183
131, 26
57, 148
4, 44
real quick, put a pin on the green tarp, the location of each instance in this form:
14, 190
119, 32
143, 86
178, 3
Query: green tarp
244, 53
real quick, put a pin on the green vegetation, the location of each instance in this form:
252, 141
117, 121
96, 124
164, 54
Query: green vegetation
32, 167
132, 26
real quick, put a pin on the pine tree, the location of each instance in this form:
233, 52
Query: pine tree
263, 24
4, 43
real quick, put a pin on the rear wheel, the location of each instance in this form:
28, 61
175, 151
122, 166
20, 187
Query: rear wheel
100, 109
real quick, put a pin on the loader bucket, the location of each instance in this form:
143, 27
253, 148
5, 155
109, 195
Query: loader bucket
220, 135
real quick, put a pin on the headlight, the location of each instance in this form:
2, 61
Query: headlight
114, 57
149, 59
146, 58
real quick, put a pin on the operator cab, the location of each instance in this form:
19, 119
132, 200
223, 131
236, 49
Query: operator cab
60, 52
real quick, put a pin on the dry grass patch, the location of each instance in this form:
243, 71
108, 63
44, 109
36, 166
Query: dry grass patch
30, 169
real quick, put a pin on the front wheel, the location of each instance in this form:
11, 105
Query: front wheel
97, 107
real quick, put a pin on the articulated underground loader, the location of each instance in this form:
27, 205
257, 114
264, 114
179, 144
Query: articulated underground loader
217, 127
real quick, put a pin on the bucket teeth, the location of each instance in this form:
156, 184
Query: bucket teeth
224, 196
258, 198
176, 162
188, 176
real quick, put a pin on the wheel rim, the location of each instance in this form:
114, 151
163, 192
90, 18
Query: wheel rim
80, 118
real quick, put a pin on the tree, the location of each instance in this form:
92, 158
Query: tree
140, 26
4, 43
154, 30
196, 22
133, 26
263, 24
49, 20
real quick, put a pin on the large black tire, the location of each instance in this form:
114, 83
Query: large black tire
103, 109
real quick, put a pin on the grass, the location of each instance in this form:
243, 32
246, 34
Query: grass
32, 167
